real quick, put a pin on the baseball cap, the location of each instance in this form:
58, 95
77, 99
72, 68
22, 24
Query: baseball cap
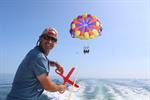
52, 32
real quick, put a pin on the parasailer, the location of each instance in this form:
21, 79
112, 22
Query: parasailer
85, 27
86, 50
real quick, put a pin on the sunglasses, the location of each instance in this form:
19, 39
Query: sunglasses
48, 38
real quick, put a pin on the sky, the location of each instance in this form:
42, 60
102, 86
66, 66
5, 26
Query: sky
122, 51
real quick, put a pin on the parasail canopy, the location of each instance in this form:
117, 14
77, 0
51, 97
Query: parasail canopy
85, 27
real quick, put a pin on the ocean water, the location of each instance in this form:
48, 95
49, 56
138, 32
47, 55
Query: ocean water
93, 89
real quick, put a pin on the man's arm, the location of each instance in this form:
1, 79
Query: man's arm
49, 85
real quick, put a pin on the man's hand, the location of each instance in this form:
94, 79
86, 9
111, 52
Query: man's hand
61, 88
59, 68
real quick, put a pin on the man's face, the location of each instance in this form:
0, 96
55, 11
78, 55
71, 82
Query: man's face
47, 42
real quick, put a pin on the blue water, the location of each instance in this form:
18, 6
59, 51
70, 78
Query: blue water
92, 89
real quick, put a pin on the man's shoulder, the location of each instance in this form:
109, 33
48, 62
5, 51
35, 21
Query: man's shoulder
35, 53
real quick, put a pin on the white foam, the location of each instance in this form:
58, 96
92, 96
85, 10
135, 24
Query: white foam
65, 96
129, 92
117, 90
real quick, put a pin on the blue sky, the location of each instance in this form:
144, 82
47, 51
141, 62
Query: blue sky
122, 51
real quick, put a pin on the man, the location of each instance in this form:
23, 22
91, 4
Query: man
86, 50
32, 75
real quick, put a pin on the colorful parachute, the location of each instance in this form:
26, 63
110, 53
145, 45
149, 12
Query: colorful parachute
85, 27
